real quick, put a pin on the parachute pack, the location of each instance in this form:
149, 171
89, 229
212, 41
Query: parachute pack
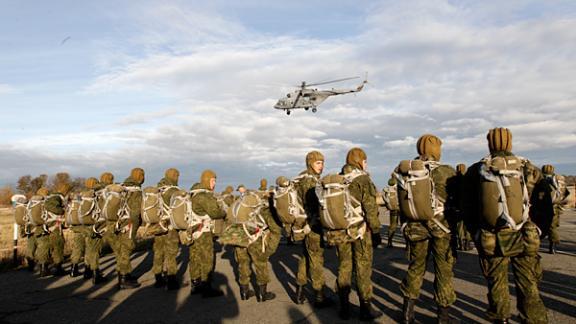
114, 202
71, 218
557, 187
503, 192
390, 196
417, 199
20, 216
288, 204
246, 224
35, 212
340, 210
182, 216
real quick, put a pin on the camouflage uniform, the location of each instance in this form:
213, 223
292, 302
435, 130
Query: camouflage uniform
81, 233
166, 243
202, 258
94, 239
462, 237
498, 247
51, 243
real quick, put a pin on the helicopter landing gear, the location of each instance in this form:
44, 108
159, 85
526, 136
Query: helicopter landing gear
314, 110
306, 108
287, 112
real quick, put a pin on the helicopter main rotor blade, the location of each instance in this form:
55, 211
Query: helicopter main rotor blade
332, 81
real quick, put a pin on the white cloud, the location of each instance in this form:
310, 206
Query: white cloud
6, 89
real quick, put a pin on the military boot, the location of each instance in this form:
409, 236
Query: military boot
320, 300
408, 311
366, 312
552, 249
44, 270
58, 270
196, 286
88, 272
501, 321
160, 282
300, 298
344, 294
97, 277
246, 292
209, 292
126, 282
443, 315
264, 295
390, 242
31, 264
74, 271
172, 282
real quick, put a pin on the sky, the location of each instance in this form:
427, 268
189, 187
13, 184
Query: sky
94, 86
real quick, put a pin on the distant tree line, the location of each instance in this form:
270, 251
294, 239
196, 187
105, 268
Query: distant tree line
28, 185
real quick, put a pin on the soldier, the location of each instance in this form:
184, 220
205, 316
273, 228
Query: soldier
391, 203
355, 253
94, 238
241, 189
496, 207
228, 196
166, 239
51, 244
202, 257
549, 195
429, 237
80, 238
311, 263
462, 237
119, 233
37, 234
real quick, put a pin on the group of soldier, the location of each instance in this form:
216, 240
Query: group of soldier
458, 217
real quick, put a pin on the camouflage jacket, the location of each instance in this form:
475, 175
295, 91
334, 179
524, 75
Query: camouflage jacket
55, 204
363, 189
306, 188
134, 199
167, 195
204, 203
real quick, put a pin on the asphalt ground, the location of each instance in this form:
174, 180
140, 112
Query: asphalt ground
25, 298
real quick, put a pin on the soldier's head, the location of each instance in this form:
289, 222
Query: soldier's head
315, 162
499, 140
42, 192
62, 188
91, 183
106, 178
548, 169
208, 179
137, 175
429, 147
172, 175
241, 189
228, 190
282, 181
461, 169
263, 184
357, 158
392, 181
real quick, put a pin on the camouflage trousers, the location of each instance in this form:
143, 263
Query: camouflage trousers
165, 252
394, 220
94, 244
462, 233
201, 262
252, 255
79, 243
356, 256
553, 234
122, 245
50, 246
31, 245
311, 262
422, 241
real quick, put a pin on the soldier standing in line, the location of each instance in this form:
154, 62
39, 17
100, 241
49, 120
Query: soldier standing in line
391, 203
462, 237
52, 244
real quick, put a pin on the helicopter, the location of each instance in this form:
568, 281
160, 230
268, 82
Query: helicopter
306, 98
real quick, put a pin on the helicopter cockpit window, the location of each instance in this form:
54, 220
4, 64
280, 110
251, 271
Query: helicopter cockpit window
288, 95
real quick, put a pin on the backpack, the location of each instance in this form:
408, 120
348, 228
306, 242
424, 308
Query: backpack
503, 192
114, 202
20, 216
340, 210
72, 213
288, 204
88, 210
152, 205
557, 187
35, 212
417, 199
180, 210
390, 196
246, 222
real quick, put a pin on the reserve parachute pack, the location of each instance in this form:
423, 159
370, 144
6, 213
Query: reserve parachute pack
340, 210
20, 215
503, 192
71, 217
417, 198
35, 212
287, 203
88, 210
246, 224
390, 196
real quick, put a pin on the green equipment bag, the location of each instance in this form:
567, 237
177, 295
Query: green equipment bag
503, 192
20, 216
152, 205
114, 202
246, 224
72, 213
180, 210
417, 198
340, 210
35, 210
390, 196
288, 204
88, 210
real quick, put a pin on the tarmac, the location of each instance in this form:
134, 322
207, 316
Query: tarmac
25, 298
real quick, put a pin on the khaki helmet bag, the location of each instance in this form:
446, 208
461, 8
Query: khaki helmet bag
416, 194
340, 210
20, 216
503, 192
35, 210
114, 201
88, 211
72, 208
151, 205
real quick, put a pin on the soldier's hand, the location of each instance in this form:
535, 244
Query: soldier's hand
376, 240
